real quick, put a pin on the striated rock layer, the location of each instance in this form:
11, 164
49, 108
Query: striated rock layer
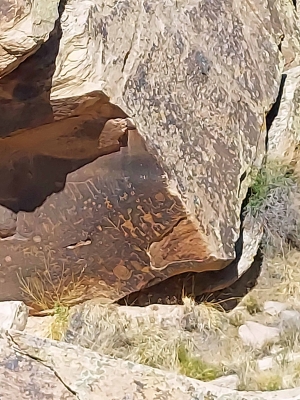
24, 27
118, 212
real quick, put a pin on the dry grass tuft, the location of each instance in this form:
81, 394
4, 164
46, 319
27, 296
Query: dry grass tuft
252, 304
142, 340
202, 317
262, 381
280, 279
46, 292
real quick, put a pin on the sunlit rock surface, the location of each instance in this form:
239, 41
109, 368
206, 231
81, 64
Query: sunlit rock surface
24, 27
42, 368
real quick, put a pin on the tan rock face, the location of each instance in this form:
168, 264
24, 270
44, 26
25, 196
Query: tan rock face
196, 94
24, 27
22, 377
117, 209
34, 367
110, 223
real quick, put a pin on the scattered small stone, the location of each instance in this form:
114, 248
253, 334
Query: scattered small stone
269, 362
274, 307
290, 319
13, 315
257, 335
265, 363
229, 381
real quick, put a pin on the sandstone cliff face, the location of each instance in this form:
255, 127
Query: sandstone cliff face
198, 79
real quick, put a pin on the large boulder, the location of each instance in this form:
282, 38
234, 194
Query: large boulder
32, 366
160, 200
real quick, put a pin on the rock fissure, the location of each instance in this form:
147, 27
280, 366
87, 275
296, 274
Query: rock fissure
272, 114
125, 59
16, 347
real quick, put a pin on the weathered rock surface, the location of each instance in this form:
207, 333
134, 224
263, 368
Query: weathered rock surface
23, 377
230, 382
24, 27
162, 200
290, 319
284, 134
8, 222
13, 315
204, 152
32, 366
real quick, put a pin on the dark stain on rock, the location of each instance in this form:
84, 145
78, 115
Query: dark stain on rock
121, 9
147, 6
103, 30
140, 81
12, 364
29, 87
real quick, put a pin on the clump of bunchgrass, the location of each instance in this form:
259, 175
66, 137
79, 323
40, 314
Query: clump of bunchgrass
271, 176
263, 381
280, 279
203, 317
142, 339
237, 316
44, 291
251, 303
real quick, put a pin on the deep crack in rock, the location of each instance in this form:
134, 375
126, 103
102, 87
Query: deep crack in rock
18, 350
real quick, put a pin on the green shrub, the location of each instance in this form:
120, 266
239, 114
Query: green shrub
195, 367
273, 201
269, 178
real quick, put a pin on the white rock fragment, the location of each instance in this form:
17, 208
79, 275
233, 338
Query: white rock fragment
13, 315
274, 307
290, 319
257, 335
265, 363
270, 362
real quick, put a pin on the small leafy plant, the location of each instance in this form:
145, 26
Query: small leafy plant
195, 367
60, 323
270, 177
